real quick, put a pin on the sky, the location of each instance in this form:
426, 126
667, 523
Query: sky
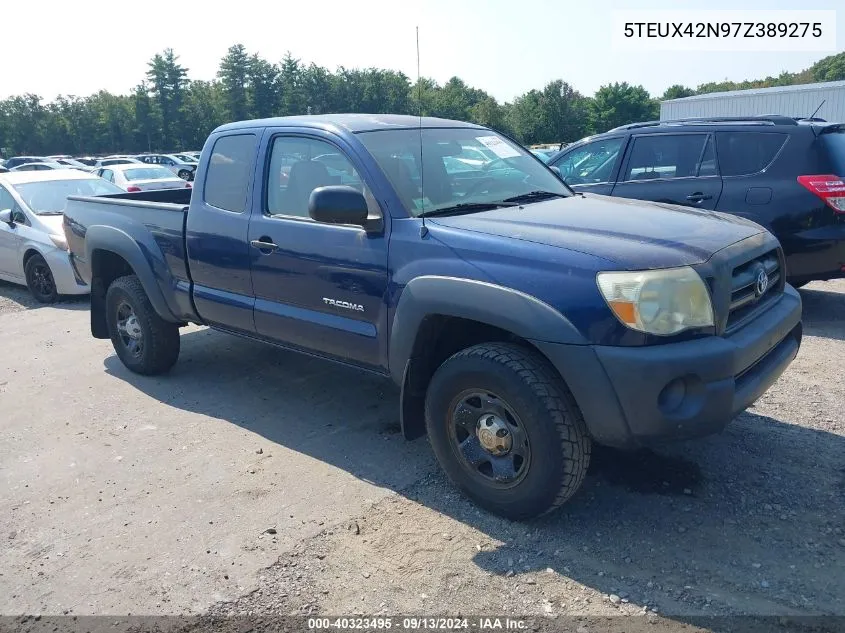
505, 47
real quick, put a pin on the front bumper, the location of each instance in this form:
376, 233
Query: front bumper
636, 396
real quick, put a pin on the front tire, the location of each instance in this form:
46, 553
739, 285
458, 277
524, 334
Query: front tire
506, 430
39, 280
144, 342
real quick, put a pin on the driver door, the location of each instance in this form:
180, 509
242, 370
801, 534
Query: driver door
592, 167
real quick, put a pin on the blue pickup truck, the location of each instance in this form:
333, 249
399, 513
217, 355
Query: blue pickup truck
522, 321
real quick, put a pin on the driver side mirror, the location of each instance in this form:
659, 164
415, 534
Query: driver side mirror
6, 216
557, 172
341, 204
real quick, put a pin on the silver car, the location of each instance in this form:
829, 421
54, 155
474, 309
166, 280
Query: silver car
33, 249
133, 177
182, 168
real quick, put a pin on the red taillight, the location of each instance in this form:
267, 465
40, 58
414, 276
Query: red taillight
133, 189
187, 185
829, 188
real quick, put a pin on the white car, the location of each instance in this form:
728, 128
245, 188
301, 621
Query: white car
134, 177
33, 249
115, 160
44, 166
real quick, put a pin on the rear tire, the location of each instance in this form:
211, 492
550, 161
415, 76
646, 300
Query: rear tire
39, 280
144, 342
186, 175
506, 430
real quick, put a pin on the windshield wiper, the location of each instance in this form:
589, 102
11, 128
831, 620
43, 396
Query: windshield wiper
49, 213
466, 207
532, 196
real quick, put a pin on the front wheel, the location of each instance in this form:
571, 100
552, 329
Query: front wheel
144, 342
39, 280
506, 430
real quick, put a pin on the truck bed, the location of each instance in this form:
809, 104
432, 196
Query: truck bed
154, 220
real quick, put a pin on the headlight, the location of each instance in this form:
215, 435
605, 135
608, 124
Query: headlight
661, 302
59, 241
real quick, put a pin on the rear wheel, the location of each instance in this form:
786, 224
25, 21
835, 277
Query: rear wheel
185, 174
506, 430
39, 280
144, 342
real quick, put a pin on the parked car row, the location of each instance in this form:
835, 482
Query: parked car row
183, 165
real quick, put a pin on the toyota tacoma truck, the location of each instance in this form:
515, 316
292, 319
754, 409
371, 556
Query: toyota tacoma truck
522, 321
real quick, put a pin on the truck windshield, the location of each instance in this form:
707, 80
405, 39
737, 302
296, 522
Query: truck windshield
465, 168
49, 197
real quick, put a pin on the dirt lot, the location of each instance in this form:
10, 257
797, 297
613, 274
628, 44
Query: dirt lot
253, 481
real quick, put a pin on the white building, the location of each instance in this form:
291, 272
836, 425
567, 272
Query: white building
793, 101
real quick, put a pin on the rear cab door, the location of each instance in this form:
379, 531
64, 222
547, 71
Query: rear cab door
592, 167
216, 231
675, 168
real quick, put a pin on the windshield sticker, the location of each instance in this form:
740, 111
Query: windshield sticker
497, 146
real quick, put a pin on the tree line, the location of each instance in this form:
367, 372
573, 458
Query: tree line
168, 111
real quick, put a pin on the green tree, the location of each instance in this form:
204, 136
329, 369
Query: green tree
147, 128
204, 110
261, 79
234, 75
318, 87
489, 113
620, 103
831, 68
677, 91
168, 80
290, 87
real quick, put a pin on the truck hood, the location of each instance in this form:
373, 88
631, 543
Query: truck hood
634, 234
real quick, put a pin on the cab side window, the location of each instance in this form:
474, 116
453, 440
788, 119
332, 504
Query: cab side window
298, 165
665, 156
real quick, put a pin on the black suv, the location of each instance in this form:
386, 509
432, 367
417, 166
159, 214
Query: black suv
784, 173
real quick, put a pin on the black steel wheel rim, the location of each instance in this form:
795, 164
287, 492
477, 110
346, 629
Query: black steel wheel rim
42, 279
489, 439
129, 330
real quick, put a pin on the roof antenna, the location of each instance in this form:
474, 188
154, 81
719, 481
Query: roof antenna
423, 228
813, 115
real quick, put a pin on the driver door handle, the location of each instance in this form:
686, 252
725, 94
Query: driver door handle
264, 244
698, 196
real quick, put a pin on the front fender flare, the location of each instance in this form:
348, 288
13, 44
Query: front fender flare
505, 308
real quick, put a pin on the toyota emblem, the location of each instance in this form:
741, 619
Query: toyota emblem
762, 283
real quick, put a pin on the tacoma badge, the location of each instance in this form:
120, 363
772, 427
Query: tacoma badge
343, 304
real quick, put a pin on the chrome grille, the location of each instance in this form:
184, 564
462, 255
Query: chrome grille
754, 284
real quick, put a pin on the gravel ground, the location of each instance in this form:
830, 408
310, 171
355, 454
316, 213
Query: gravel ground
751, 521
14, 298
